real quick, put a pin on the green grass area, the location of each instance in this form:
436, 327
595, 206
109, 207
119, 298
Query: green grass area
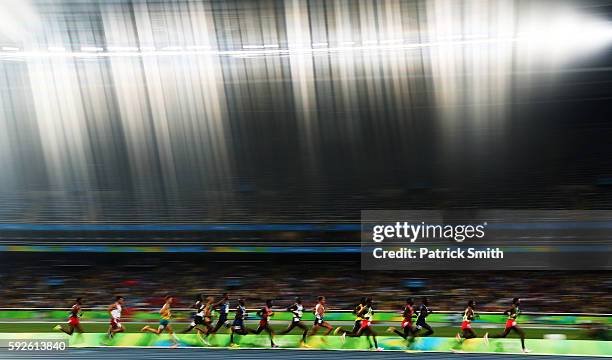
443, 331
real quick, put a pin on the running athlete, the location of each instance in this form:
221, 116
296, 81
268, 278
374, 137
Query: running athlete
297, 309
408, 331
264, 323
224, 307
513, 313
358, 318
74, 322
469, 314
238, 323
208, 314
115, 313
365, 314
424, 311
164, 321
319, 312
198, 319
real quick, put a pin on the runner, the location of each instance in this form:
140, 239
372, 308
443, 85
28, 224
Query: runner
408, 331
223, 307
297, 309
358, 318
164, 321
238, 323
199, 323
74, 322
319, 312
513, 313
365, 314
467, 332
424, 311
264, 313
115, 313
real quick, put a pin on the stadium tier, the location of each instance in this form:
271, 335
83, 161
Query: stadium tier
55, 279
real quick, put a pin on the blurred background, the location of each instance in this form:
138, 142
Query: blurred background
153, 112
301, 111
53, 281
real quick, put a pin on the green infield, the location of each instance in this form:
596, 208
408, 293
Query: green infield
443, 331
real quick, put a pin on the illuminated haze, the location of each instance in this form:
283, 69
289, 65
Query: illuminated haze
218, 110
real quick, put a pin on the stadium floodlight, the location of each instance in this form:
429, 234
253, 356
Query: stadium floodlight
569, 33
122, 48
92, 48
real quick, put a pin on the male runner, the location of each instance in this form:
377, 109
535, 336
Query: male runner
164, 321
319, 312
115, 313
358, 319
357, 312
198, 318
365, 314
74, 322
408, 331
513, 313
424, 311
223, 306
264, 313
469, 314
238, 323
297, 309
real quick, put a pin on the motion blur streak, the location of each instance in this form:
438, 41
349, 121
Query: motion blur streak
106, 98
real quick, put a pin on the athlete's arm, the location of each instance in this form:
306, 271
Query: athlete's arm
217, 304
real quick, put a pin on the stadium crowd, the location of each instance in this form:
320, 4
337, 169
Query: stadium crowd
143, 284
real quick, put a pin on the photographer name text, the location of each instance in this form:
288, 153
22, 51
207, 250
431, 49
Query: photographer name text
448, 253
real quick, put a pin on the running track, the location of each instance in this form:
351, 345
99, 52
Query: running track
276, 354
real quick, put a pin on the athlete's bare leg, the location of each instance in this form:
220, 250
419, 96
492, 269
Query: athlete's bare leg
267, 328
328, 327
239, 331
369, 332
469, 334
426, 327
147, 328
292, 326
114, 330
